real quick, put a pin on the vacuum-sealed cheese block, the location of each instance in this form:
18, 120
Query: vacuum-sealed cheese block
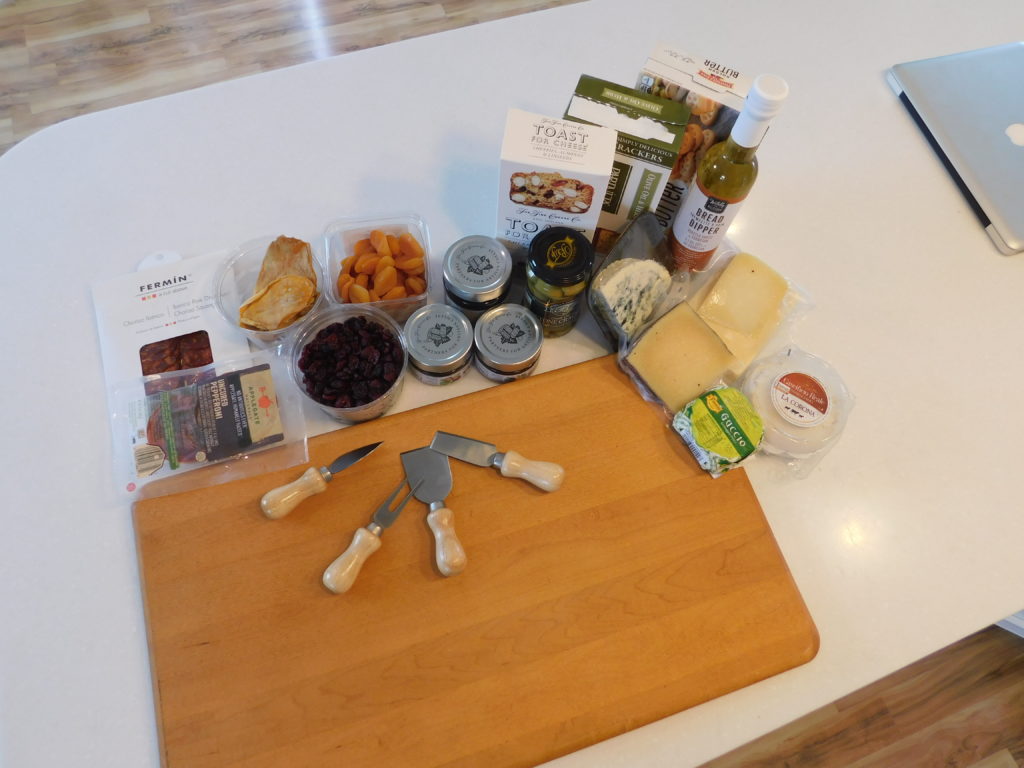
744, 306
747, 296
679, 357
628, 291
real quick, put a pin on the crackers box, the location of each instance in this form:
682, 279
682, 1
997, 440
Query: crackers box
713, 91
554, 173
650, 132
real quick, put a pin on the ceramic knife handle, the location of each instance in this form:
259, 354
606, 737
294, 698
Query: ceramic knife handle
280, 501
451, 557
341, 574
543, 474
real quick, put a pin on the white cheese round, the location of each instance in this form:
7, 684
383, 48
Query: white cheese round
802, 401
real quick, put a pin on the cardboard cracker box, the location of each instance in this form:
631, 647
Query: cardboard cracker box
554, 173
650, 133
713, 91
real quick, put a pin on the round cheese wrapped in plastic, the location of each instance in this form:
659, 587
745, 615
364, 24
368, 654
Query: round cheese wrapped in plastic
721, 429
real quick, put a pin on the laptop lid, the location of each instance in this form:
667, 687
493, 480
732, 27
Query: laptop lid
970, 107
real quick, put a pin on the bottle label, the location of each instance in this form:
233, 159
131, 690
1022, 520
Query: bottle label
699, 228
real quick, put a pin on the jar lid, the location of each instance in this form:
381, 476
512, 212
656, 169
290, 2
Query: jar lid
477, 268
439, 338
561, 256
508, 338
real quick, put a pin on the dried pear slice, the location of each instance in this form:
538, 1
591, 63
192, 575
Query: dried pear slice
283, 301
286, 256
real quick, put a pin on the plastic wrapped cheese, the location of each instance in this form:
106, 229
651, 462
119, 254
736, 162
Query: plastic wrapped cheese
803, 402
678, 357
721, 429
744, 306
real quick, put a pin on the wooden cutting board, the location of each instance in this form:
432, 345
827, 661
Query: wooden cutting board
640, 588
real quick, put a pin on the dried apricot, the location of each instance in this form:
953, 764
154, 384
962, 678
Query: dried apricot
398, 292
415, 285
385, 280
363, 246
410, 246
358, 294
380, 243
367, 263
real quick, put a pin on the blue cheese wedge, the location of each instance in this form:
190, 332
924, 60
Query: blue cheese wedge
628, 291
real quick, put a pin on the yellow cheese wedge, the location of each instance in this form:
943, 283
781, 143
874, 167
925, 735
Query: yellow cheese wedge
679, 357
744, 306
747, 296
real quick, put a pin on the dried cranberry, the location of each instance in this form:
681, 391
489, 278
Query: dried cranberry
351, 363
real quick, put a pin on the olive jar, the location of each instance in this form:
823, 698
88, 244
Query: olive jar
557, 270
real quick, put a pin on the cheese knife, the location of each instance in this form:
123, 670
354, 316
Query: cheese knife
279, 502
341, 574
430, 474
543, 474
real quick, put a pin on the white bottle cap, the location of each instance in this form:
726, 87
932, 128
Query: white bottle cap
762, 104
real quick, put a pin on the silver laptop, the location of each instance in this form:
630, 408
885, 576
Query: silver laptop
970, 107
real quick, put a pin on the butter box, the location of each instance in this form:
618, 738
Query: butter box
650, 132
554, 173
713, 91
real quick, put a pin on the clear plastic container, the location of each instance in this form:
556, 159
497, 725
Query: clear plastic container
334, 314
235, 281
340, 238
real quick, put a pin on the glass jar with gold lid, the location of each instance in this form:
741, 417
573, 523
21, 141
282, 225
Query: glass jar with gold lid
557, 270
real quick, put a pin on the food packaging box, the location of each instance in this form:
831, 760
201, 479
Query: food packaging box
713, 91
554, 173
650, 132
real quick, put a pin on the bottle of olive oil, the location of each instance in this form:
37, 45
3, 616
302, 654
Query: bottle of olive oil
724, 178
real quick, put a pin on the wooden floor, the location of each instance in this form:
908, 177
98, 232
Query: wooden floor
961, 707
62, 58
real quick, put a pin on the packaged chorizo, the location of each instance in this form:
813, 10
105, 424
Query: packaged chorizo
214, 418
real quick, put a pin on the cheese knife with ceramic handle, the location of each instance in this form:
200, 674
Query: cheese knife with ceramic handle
341, 574
543, 474
430, 474
279, 502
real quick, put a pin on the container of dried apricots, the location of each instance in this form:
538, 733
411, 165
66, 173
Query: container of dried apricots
383, 262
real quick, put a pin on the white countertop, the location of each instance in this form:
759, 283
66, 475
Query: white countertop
906, 538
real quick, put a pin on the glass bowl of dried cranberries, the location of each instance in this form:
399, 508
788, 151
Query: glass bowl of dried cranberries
350, 360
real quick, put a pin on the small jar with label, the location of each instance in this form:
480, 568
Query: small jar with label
508, 341
476, 272
557, 271
440, 344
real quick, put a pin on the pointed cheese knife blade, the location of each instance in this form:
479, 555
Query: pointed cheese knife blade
543, 474
279, 502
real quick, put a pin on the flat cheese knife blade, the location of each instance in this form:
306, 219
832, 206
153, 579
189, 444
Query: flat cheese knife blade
430, 474
278, 502
543, 474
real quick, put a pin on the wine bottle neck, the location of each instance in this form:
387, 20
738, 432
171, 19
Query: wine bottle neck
748, 132
736, 152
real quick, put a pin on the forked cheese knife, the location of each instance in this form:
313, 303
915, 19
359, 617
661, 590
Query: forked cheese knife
279, 502
543, 474
341, 574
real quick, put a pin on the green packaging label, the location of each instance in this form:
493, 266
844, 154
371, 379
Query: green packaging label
721, 428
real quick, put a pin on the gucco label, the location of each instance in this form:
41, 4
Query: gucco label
800, 399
